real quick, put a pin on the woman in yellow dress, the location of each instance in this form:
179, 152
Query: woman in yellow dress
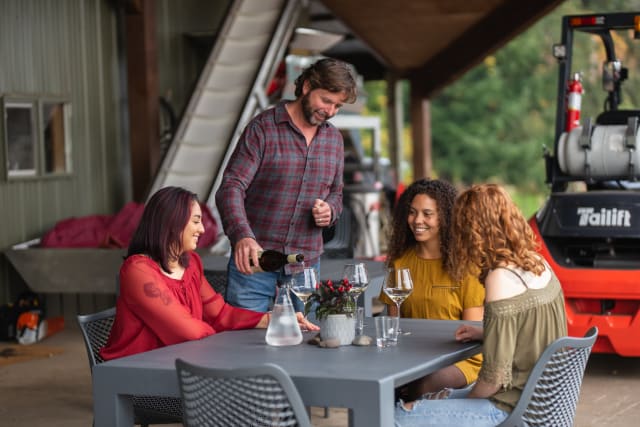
420, 240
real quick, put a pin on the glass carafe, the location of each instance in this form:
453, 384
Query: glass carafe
283, 326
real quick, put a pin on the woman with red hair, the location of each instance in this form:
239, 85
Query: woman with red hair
523, 311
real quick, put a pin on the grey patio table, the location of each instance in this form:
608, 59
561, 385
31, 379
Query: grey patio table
330, 268
362, 379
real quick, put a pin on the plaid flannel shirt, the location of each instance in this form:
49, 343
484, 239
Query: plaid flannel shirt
272, 179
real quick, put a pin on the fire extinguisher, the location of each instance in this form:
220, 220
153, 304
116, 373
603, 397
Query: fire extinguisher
574, 100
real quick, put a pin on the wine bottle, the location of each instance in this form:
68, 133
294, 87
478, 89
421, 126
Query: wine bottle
271, 260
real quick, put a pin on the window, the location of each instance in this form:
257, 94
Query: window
36, 137
54, 137
21, 144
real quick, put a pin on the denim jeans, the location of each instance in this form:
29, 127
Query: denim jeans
456, 411
257, 291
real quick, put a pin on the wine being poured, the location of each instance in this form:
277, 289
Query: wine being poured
305, 285
272, 260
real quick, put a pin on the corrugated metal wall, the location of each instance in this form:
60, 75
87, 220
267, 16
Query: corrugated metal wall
68, 48
64, 48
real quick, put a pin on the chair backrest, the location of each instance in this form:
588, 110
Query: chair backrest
339, 243
95, 330
257, 396
550, 396
218, 281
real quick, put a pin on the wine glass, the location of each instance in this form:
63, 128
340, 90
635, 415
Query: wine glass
305, 284
398, 285
358, 277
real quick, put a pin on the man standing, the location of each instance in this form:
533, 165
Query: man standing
283, 183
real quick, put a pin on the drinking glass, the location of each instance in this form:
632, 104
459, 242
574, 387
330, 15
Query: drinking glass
386, 331
398, 285
305, 284
358, 277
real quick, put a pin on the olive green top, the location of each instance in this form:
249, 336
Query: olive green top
516, 332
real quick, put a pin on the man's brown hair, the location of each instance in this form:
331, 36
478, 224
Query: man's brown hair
329, 74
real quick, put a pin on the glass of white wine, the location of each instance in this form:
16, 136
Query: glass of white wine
398, 285
305, 284
358, 277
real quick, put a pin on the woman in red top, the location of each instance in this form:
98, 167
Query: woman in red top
164, 296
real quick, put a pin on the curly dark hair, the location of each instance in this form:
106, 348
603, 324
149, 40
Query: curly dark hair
402, 237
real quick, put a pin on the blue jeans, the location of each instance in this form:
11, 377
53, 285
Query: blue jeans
456, 411
257, 291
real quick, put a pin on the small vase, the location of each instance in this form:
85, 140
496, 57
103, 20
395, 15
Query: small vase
338, 326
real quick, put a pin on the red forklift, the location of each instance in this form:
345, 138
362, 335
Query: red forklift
589, 228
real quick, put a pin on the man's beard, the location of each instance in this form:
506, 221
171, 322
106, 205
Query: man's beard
309, 113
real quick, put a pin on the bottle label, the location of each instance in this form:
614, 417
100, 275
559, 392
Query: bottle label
256, 268
295, 258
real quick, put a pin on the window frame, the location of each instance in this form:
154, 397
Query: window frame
20, 103
66, 123
37, 105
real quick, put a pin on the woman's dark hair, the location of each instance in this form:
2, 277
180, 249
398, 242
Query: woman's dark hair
329, 74
159, 233
402, 237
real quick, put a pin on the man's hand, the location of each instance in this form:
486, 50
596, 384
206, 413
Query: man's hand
321, 212
246, 249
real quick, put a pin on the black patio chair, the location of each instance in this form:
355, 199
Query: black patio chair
218, 281
260, 396
147, 410
338, 241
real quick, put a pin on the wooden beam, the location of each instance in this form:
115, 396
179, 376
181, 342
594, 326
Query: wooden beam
395, 124
495, 30
421, 135
143, 92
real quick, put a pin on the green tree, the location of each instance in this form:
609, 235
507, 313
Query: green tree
493, 123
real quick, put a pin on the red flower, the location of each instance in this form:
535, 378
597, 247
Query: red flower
330, 299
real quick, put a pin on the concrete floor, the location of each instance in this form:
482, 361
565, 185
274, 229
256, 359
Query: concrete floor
56, 392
